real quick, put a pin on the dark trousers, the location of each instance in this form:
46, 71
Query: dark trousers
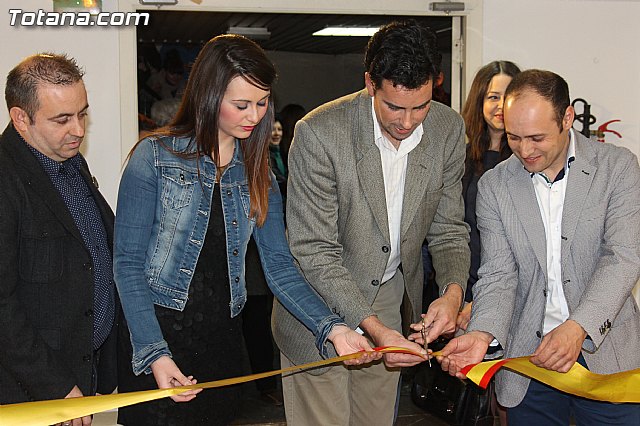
256, 328
544, 405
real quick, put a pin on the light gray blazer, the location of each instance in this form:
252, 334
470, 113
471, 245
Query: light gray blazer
337, 215
600, 260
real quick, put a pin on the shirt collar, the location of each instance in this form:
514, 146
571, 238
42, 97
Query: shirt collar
571, 156
52, 167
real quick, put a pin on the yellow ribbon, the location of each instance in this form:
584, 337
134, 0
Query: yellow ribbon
59, 410
618, 388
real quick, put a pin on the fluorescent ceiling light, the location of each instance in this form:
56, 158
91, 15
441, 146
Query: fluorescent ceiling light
347, 31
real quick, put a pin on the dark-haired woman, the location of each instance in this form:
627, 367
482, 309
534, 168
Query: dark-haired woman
484, 123
277, 158
190, 198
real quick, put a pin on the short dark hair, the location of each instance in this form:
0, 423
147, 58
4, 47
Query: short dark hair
49, 68
405, 53
547, 84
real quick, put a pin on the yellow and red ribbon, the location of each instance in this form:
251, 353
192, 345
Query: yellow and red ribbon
618, 388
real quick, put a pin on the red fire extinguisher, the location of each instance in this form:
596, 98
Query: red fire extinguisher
602, 129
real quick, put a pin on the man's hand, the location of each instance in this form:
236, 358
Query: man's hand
346, 341
560, 348
464, 317
467, 349
441, 316
81, 421
384, 336
168, 375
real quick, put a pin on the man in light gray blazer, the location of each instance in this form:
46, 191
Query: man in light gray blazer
371, 175
560, 257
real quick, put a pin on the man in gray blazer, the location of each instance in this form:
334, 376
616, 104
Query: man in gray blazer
560, 257
371, 175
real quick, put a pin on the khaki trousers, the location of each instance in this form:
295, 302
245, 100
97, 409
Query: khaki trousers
349, 396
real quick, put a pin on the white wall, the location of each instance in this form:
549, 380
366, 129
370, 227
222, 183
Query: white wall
96, 50
593, 44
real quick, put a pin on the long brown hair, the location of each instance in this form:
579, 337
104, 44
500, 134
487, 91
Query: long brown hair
476, 126
221, 60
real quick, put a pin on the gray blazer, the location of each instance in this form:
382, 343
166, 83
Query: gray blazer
600, 260
337, 215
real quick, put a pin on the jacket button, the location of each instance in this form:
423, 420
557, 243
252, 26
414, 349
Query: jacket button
229, 193
86, 358
375, 282
385, 249
44, 234
235, 252
89, 312
234, 222
88, 266
237, 279
538, 334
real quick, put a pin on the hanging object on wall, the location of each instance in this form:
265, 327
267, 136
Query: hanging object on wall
447, 6
585, 118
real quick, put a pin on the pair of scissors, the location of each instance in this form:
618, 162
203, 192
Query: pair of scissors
423, 331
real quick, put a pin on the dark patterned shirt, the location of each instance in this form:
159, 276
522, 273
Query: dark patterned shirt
78, 198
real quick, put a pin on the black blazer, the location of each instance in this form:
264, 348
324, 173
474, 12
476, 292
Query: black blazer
46, 285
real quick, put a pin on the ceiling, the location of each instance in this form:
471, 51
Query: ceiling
289, 32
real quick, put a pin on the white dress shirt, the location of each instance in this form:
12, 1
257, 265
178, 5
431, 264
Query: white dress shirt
394, 171
550, 197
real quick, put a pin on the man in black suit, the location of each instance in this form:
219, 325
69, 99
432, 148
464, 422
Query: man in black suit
58, 303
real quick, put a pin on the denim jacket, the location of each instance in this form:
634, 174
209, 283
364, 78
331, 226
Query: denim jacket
161, 222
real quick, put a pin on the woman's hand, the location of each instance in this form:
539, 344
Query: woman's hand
346, 341
168, 375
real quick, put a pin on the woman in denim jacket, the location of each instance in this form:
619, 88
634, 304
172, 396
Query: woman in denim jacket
190, 197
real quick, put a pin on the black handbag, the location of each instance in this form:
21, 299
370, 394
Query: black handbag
457, 402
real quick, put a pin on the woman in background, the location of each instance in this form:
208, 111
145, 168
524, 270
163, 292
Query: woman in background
191, 196
484, 122
277, 158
